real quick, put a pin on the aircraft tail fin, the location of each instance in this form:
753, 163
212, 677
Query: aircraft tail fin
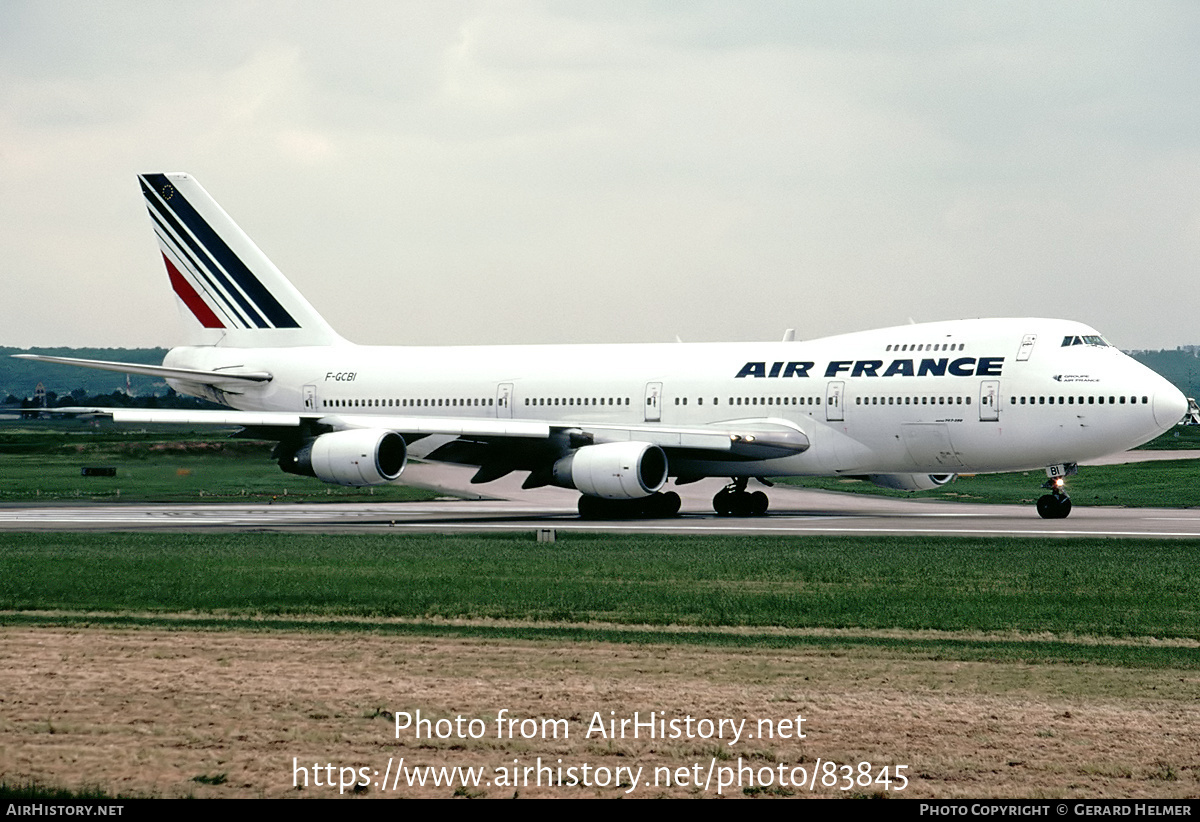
230, 293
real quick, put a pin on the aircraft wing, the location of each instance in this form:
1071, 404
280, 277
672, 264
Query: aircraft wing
417, 426
763, 438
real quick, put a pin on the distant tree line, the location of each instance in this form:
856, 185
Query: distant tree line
20, 377
116, 399
1180, 366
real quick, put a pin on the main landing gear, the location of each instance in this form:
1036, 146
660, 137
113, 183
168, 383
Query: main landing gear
735, 501
651, 507
1056, 504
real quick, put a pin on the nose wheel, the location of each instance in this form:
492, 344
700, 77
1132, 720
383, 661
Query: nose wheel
1056, 504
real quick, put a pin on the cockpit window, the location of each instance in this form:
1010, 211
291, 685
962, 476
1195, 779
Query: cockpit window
1088, 339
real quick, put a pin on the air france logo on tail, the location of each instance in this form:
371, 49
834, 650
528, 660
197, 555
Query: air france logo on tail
208, 276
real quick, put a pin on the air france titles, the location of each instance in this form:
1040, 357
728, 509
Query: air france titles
958, 367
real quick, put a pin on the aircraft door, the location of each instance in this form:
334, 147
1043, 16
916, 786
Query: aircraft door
1026, 347
310, 398
504, 393
989, 401
653, 402
833, 401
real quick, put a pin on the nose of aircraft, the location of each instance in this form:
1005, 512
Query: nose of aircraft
1169, 405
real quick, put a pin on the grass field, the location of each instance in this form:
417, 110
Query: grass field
43, 462
773, 591
200, 665
1179, 437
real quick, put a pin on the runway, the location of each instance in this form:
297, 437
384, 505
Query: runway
794, 511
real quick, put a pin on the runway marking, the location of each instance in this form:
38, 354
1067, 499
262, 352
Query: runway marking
499, 516
802, 529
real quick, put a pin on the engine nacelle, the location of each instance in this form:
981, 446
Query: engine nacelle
911, 482
360, 457
614, 470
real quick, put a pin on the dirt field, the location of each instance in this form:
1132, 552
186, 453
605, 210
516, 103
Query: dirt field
226, 714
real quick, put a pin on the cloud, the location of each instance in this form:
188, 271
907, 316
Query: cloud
479, 172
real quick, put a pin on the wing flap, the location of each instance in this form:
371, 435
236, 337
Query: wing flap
455, 426
751, 439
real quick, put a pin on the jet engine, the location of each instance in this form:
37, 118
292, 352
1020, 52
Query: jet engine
911, 482
614, 470
359, 457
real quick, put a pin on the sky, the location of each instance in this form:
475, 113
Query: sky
523, 172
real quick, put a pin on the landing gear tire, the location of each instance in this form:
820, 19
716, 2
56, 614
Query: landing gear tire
734, 501
758, 503
1054, 506
723, 503
663, 504
654, 506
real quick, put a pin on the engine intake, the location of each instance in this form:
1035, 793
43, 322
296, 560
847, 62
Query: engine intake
614, 470
360, 457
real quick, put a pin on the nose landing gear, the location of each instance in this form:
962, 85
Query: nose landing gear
1056, 504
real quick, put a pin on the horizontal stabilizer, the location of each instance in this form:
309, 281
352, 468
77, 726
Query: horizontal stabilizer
188, 374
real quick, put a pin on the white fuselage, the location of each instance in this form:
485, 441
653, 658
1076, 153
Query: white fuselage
966, 396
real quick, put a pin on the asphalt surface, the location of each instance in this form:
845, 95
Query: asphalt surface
503, 506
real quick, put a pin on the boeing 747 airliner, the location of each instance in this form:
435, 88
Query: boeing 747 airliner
908, 407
